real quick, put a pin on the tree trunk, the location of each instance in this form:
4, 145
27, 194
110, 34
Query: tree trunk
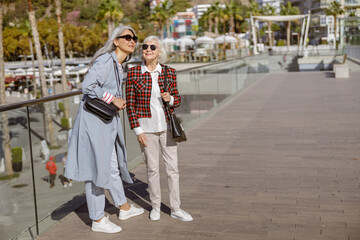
4, 119
210, 24
168, 30
288, 35
232, 24
216, 25
161, 30
33, 66
39, 57
62, 57
110, 27
269, 34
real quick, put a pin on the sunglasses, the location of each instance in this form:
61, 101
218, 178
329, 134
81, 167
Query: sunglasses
145, 46
128, 37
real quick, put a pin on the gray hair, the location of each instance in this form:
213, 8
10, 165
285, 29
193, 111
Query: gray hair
163, 56
109, 45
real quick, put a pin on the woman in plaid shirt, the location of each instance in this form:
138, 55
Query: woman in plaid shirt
145, 108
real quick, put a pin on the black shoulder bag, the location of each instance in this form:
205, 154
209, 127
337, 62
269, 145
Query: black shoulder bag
176, 127
101, 109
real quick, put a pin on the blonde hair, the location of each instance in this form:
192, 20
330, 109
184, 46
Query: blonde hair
163, 56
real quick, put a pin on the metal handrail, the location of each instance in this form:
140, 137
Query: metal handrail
28, 103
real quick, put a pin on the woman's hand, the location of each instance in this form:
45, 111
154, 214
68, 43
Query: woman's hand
165, 96
142, 139
119, 102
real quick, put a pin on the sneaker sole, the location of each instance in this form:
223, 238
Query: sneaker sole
156, 219
133, 215
181, 219
102, 231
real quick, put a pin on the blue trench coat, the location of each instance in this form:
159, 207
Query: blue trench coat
92, 140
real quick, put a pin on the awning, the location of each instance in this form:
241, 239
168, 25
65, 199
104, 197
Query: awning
279, 18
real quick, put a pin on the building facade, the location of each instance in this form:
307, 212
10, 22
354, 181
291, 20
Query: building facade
322, 26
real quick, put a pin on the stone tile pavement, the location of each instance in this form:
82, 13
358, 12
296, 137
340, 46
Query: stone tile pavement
278, 161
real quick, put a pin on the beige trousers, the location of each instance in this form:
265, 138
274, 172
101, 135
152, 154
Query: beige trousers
157, 143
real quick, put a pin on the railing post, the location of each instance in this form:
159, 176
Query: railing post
32, 171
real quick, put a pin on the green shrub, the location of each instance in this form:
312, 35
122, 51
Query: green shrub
16, 154
281, 43
64, 123
38, 94
61, 106
9, 177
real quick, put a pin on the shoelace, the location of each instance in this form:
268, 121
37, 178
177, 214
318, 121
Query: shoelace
107, 221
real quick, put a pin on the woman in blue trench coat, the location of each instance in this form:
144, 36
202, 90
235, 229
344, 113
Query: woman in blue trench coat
97, 153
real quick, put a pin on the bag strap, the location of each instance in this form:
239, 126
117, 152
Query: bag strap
117, 77
165, 89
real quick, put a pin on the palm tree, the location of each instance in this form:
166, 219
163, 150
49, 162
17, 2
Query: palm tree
255, 10
269, 10
39, 57
234, 10
208, 20
159, 16
288, 9
4, 118
334, 10
167, 10
217, 13
26, 29
62, 56
111, 11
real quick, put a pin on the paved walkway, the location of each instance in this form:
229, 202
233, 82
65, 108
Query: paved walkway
278, 161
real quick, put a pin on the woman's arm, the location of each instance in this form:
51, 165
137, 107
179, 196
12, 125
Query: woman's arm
96, 77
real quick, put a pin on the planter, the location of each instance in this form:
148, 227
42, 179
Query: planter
17, 166
17, 159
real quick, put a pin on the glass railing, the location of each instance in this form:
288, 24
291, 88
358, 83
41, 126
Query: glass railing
29, 206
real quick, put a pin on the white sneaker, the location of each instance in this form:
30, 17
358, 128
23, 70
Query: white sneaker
70, 184
132, 212
65, 185
155, 214
105, 226
181, 215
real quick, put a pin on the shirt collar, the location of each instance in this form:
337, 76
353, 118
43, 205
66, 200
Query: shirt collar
144, 69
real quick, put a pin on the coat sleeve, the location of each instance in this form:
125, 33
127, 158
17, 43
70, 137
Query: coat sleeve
174, 90
97, 76
130, 99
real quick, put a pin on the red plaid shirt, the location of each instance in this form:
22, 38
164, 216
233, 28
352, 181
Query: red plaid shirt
138, 93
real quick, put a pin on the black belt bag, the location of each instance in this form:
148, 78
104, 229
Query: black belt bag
101, 109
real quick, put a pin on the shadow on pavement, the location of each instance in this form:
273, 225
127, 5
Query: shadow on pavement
136, 192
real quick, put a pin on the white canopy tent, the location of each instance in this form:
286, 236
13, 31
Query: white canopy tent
282, 19
169, 43
205, 42
204, 39
225, 39
185, 41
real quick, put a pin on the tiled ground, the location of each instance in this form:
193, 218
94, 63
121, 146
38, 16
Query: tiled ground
279, 161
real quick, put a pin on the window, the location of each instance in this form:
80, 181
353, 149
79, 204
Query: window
322, 20
330, 19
